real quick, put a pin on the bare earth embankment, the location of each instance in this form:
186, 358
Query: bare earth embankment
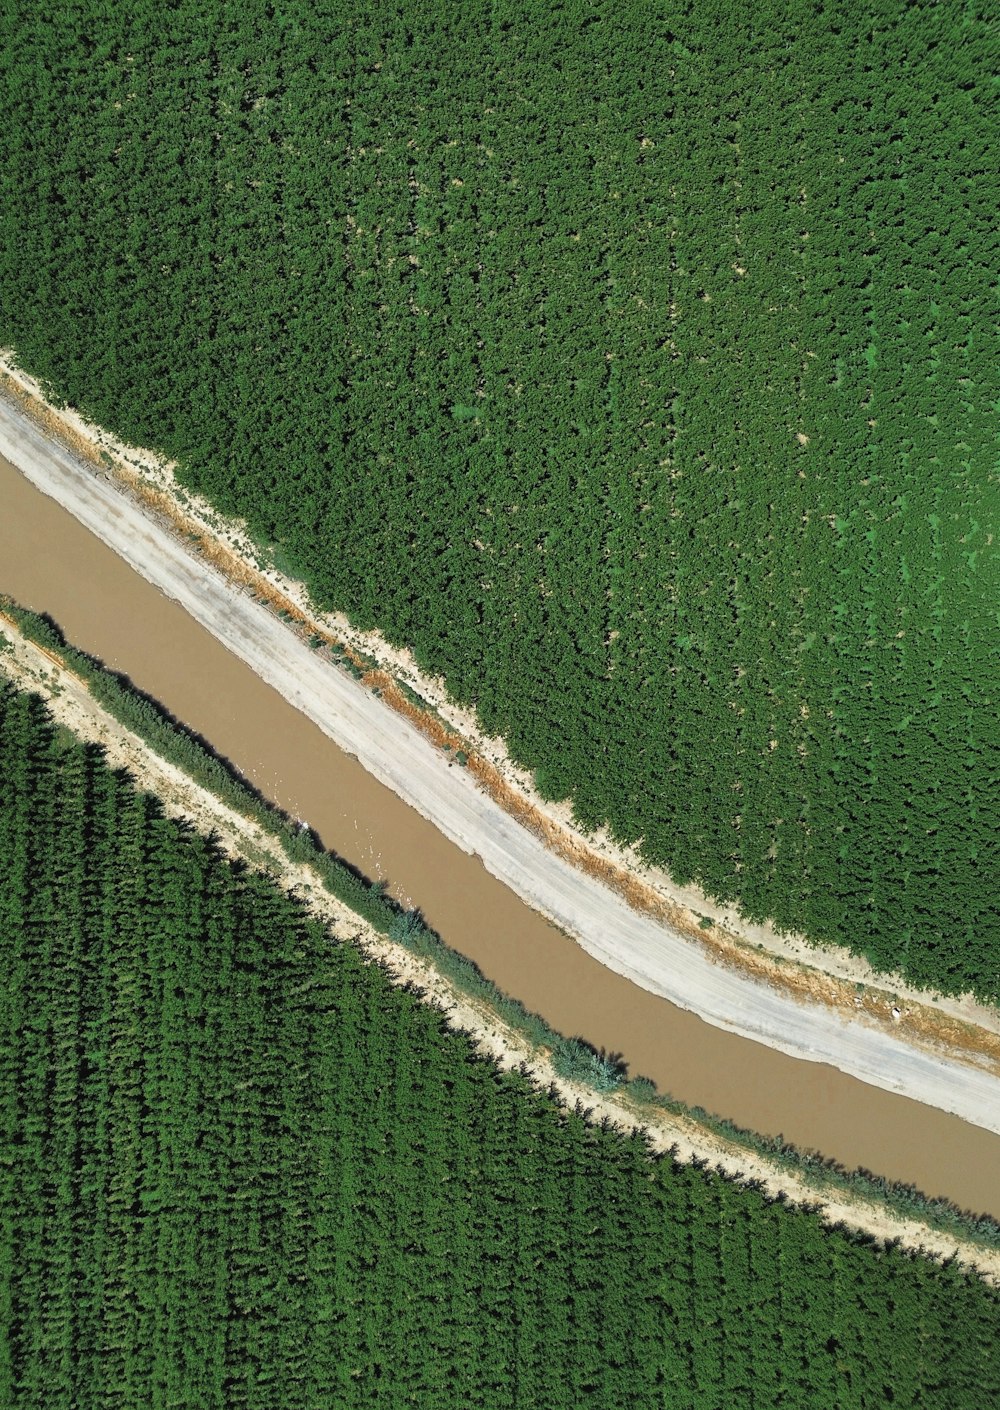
946, 1059
32, 668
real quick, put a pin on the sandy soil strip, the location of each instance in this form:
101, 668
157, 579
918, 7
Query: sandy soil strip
652, 949
32, 668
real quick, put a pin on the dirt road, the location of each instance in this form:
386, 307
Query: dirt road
647, 952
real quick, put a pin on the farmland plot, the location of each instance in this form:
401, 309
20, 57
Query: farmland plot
242, 1169
636, 370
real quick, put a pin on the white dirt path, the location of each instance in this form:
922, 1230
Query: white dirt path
646, 951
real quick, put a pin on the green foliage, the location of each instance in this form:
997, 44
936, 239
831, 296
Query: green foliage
581, 1062
637, 368
241, 1169
642, 1089
405, 927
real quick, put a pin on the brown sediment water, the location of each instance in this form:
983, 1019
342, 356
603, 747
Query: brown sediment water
49, 562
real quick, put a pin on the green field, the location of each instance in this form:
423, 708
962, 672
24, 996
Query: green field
636, 367
239, 1168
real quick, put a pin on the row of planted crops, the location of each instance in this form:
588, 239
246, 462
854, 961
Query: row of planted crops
635, 369
242, 1169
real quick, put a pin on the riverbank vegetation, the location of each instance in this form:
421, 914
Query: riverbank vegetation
631, 370
243, 1169
571, 1057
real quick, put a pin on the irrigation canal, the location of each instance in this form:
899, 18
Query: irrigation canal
49, 562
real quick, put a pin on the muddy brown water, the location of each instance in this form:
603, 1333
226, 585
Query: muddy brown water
50, 563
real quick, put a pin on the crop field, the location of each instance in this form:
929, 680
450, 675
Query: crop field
240, 1168
636, 368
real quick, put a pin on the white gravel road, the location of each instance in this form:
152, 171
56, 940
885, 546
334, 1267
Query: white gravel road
647, 952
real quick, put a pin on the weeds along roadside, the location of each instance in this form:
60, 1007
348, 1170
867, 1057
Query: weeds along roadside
572, 1058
